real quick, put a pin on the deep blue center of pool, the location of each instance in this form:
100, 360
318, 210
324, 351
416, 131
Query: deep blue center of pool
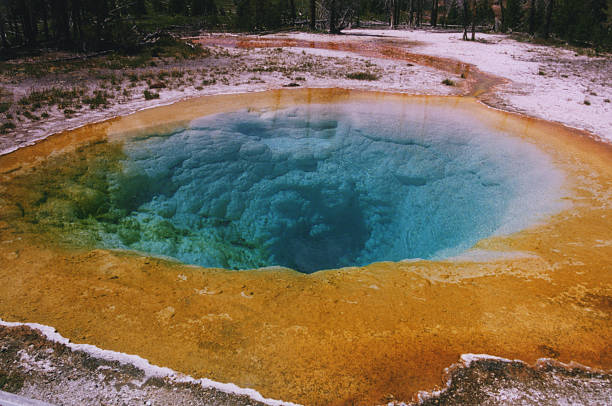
326, 186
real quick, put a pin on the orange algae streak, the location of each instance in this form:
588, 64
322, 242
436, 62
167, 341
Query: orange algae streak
351, 336
478, 82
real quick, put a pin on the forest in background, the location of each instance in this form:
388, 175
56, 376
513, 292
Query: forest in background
126, 25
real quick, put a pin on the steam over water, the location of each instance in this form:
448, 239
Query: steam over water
326, 186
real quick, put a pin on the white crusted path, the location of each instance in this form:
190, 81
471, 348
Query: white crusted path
546, 82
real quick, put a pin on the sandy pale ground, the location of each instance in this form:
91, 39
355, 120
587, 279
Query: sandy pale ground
544, 82
366, 335
230, 69
540, 81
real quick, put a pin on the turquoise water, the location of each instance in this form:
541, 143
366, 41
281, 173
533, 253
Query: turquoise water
327, 186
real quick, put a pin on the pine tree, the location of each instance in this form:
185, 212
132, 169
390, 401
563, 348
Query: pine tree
178, 6
139, 7
513, 14
452, 17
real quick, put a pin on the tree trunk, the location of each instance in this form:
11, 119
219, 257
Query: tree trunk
421, 10
260, 17
45, 17
446, 7
396, 11
503, 17
13, 26
332, 17
76, 22
5, 43
29, 32
473, 20
392, 14
141, 7
466, 22
313, 15
411, 14
434, 13
549, 10
292, 9
62, 28
532, 17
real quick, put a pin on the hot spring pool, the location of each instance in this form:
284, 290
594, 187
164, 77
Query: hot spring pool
311, 179
323, 186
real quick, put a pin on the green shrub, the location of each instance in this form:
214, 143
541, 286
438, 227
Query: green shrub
99, 99
448, 82
4, 107
51, 96
31, 116
150, 95
175, 73
11, 382
362, 76
4, 128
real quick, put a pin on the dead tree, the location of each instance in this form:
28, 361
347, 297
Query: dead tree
394, 12
339, 14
